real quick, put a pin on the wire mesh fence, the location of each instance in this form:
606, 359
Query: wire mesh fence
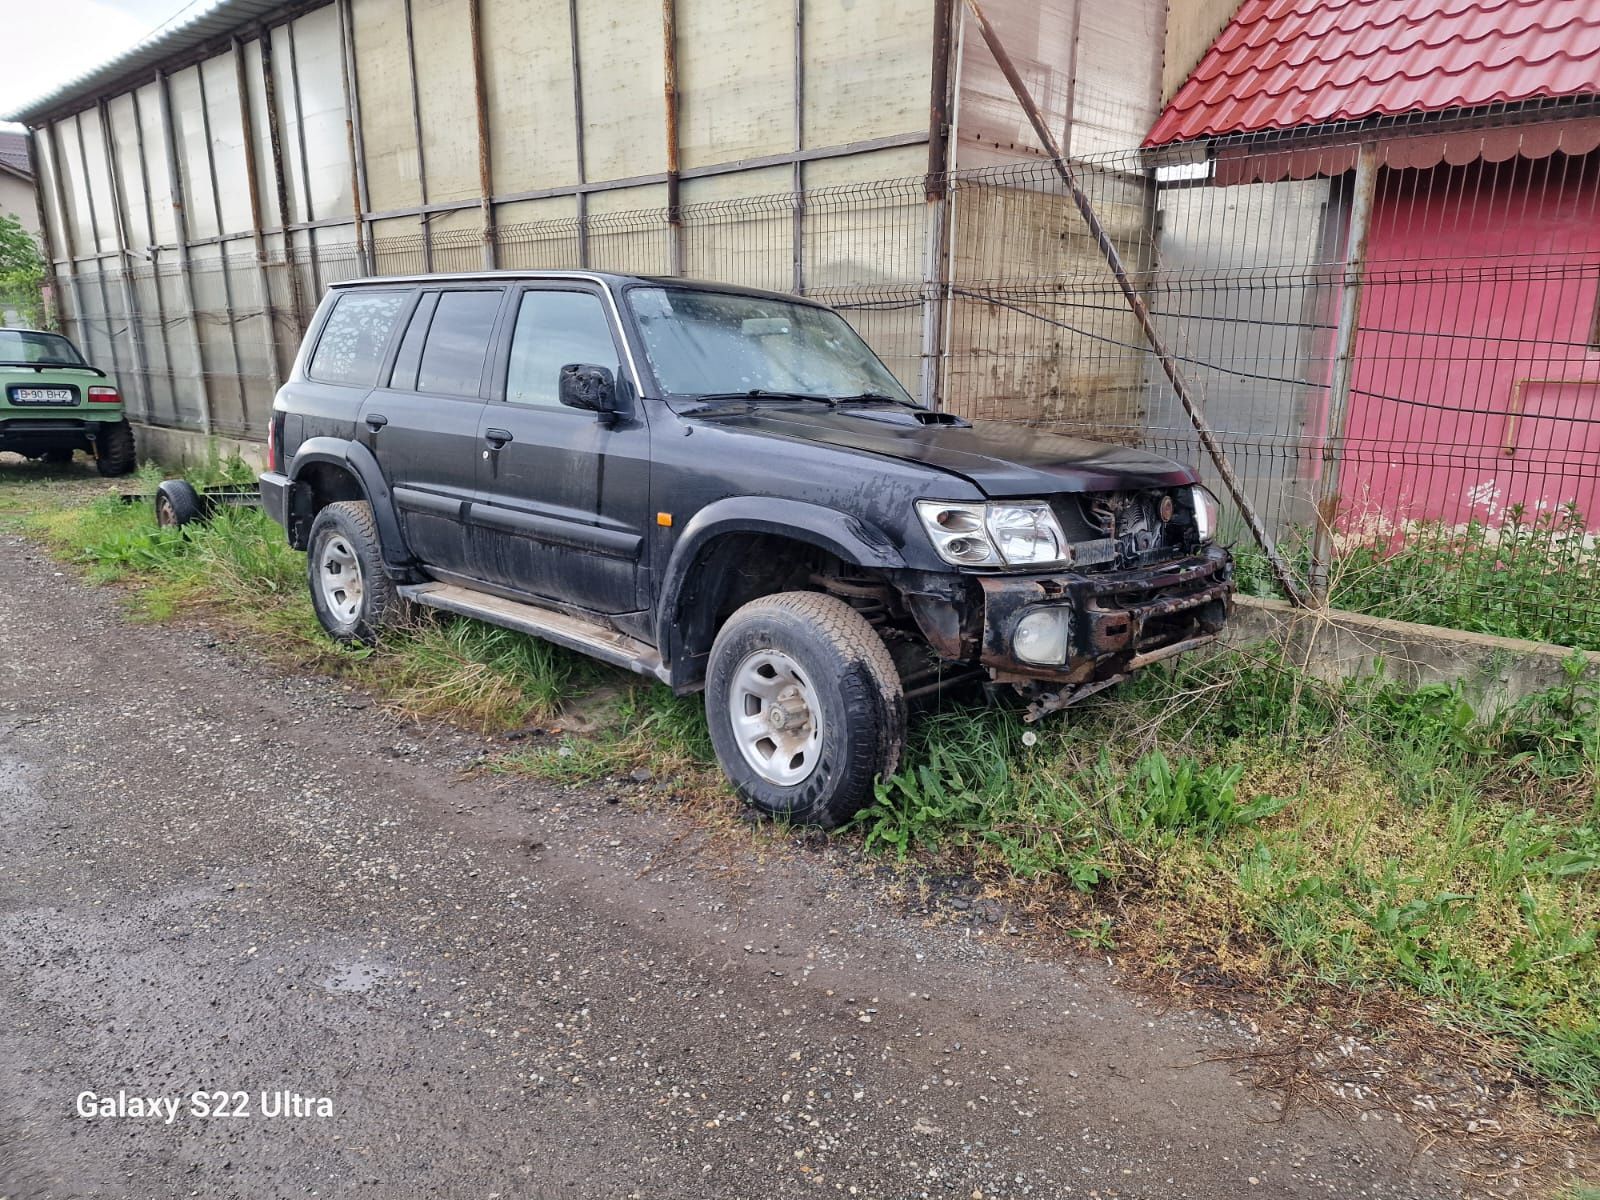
1415, 373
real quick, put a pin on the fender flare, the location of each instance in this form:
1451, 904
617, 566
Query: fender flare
359, 461
841, 534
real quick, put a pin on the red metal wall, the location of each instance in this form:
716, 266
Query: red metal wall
1481, 295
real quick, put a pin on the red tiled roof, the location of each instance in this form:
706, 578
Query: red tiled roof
1283, 63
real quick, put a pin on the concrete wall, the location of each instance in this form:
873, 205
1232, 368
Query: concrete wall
1334, 645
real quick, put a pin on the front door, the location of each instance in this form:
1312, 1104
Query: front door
563, 494
422, 422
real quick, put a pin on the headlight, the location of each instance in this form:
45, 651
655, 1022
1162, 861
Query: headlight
990, 535
958, 533
1205, 513
1042, 635
1026, 534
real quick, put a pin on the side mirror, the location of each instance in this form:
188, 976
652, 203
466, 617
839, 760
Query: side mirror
586, 386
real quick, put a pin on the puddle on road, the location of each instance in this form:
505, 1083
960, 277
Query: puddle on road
357, 977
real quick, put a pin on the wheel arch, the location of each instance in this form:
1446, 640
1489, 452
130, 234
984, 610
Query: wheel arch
708, 575
331, 469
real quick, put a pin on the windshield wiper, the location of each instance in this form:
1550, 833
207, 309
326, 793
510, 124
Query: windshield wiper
873, 398
763, 394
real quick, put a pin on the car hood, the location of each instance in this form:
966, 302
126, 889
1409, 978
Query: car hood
999, 458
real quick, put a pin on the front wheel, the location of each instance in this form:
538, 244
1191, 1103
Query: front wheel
350, 591
805, 707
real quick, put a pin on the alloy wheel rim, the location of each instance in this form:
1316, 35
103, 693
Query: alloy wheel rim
339, 579
776, 718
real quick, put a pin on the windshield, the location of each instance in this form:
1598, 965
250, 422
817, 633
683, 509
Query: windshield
49, 349
718, 343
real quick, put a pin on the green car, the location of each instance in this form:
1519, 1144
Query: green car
52, 402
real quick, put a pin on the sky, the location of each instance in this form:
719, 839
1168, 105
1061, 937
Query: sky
50, 42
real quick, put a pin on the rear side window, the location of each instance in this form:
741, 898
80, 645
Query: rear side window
356, 335
457, 344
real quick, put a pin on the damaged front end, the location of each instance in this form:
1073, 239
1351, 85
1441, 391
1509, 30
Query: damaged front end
1152, 586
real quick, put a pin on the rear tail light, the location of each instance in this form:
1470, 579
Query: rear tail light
104, 395
272, 443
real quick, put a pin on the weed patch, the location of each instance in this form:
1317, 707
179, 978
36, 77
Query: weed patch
1527, 576
1301, 837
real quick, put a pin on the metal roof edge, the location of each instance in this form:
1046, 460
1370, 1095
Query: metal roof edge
220, 19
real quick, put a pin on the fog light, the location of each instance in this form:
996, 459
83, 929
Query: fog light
1042, 636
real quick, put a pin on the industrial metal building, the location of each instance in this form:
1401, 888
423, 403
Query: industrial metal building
202, 189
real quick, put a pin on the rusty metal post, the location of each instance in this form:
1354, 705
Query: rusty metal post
1169, 364
1355, 261
798, 180
669, 76
353, 134
150, 242
99, 261
130, 297
280, 182
222, 250
480, 92
73, 283
181, 215
252, 178
577, 120
416, 122
49, 306
936, 193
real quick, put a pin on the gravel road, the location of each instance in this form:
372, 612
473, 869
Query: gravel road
217, 876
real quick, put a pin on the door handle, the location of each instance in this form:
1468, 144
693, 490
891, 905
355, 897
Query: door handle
376, 421
497, 438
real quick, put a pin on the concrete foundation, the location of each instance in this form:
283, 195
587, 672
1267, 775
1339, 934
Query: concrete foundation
1332, 645
181, 448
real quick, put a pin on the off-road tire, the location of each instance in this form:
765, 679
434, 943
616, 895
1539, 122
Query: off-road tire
863, 718
58, 457
380, 605
114, 452
177, 503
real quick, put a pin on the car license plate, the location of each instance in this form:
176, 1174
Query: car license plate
43, 395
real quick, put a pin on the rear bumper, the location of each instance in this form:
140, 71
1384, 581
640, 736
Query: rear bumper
278, 493
1121, 620
25, 435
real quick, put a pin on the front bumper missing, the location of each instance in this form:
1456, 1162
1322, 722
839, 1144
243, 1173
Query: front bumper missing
1122, 620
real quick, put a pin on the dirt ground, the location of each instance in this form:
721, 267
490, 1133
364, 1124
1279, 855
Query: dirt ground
215, 876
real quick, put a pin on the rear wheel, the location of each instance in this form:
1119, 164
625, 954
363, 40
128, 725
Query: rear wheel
352, 594
113, 449
805, 707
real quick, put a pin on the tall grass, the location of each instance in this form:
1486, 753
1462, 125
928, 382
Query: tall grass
1299, 835
238, 569
1533, 576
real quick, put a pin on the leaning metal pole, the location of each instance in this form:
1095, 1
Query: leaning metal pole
1169, 364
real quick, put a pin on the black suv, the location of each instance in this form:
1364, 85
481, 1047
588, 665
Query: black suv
727, 490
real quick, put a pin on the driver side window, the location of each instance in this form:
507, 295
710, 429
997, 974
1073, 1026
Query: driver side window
554, 329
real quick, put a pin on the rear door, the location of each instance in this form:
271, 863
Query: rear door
422, 424
563, 493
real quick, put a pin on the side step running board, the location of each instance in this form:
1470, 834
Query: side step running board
574, 633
